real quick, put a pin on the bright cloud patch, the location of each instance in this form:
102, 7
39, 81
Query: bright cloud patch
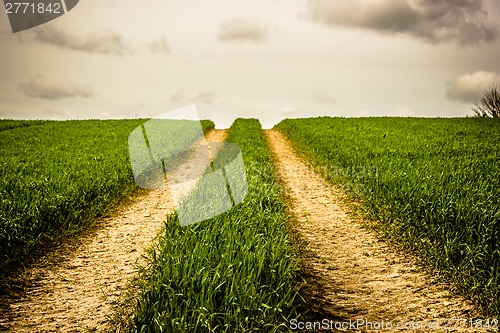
469, 88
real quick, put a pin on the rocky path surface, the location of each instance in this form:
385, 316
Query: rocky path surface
354, 280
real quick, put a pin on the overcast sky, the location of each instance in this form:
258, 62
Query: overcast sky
267, 59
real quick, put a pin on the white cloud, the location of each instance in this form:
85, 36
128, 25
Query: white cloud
365, 113
57, 115
243, 30
463, 22
271, 117
405, 111
41, 87
469, 88
105, 42
133, 110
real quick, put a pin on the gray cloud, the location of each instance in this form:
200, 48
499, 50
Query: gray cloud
178, 97
159, 46
41, 87
204, 97
469, 88
105, 42
463, 22
325, 99
243, 30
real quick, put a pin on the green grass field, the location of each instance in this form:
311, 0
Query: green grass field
434, 184
231, 273
56, 177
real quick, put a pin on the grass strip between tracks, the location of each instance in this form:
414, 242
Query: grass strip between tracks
231, 273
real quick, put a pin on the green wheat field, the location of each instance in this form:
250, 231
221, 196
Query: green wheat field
431, 185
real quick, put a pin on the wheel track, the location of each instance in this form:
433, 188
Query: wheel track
79, 286
350, 273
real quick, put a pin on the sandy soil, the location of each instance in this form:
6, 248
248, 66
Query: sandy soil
351, 274
78, 287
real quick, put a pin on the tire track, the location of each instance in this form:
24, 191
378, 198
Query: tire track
351, 274
78, 287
